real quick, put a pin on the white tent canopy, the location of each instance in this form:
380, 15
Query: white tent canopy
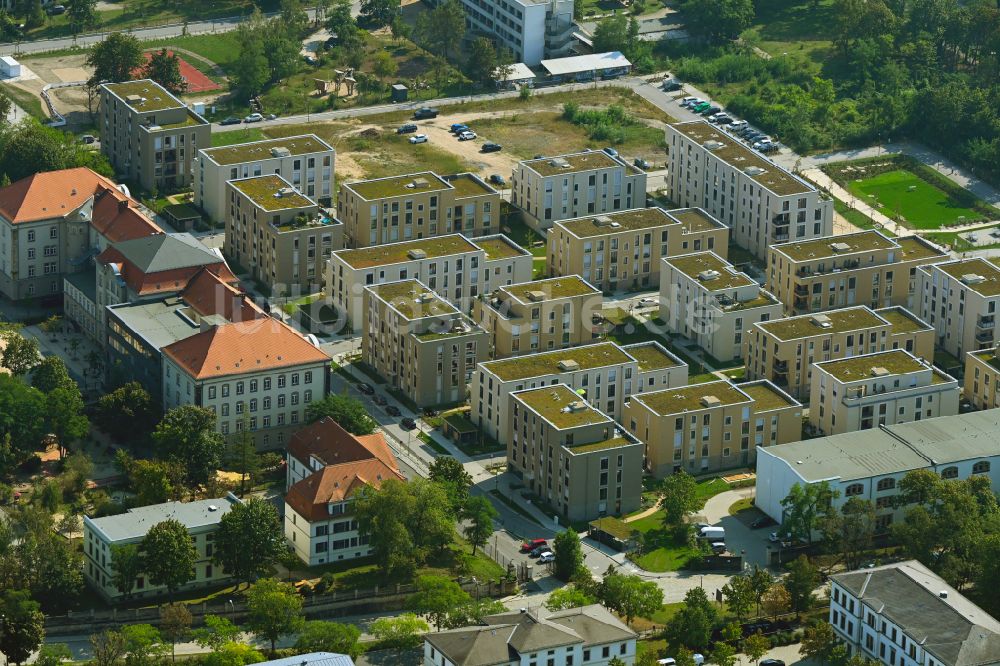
586, 63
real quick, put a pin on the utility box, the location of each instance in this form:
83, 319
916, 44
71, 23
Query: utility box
400, 93
9, 67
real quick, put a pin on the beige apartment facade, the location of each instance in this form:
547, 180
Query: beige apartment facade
784, 351
549, 189
705, 299
982, 373
420, 343
863, 268
540, 316
453, 266
305, 161
150, 136
710, 427
959, 300
417, 205
622, 251
760, 201
658, 368
279, 235
874, 390
573, 455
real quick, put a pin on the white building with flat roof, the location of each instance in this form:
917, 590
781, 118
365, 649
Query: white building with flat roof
531, 29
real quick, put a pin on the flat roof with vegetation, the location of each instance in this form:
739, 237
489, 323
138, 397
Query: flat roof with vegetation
410, 184
689, 398
988, 286
988, 356
652, 356
693, 265
261, 150
915, 247
265, 191
551, 166
499, 247
894, 361
825, 248
587, 357
157, 97
412, 299
840, 321
468, 185
552, 403
606, 445
696, 219
766, 396
394, 253
902, 320
741, 158
191, 119
552, 288
636, 219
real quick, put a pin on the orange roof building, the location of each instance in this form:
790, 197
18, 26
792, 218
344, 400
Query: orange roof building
327, 466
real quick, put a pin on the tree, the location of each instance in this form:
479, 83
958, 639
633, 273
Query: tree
819, 642
53, 654
437, 597
379, 13
678, 497
127, 413
126, 561
451, 474
273, 610
776, 600
22, 421
630, 596
479, 515
233, 654
28, 147
345, 410
250, 72
383, 66
802, 579
164, 67
175, 625
187, 436
482, 60
806, 507
340, 22
65, 417
321, 636
718, 20
51, 374
441, 29
20, 354
249, 539
168, 555
23, 628
761, 581
152, 481
294, 19
400, 632
82, 14
692, 625
241, 454
569, 596
107, 647
217, 632
569, 555
739, 596
723, 654
142, 644
114, 59
857, 528
615, 661
614, 34
756, 646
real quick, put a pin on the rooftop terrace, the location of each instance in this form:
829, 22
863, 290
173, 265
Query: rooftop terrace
467, 185
261, 150
833, 321
191, 119
394, 253
710, 270
551, 166
695, 220
155, 97
636, 219
651, 356
687, 398
586, 357
894, 362
732, 152
979, 275
397, 186
271, 193
499, 247
835, 246
412, 299
902, 320
766, 396
561, 406
550, 289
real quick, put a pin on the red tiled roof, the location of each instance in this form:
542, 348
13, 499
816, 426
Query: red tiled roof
334, 483
50, 194
330, 443
241, 347
117, 218
209, 294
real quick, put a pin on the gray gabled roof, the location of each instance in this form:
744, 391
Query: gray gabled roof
311, 659
166, 252
931, 612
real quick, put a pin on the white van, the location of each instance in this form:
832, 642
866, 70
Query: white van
713, 533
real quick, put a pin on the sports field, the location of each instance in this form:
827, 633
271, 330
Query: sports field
902, 193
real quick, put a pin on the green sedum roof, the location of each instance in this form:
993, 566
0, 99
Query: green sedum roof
587, 357
561, 406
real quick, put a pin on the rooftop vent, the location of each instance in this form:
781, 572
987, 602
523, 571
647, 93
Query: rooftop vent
576, 406
754, 171
972, 278
559, 163
417, 254
567, 365
708, 275
712, 145
840, 247
603, 221
135, 99
280, 151
418, 184
821, 320
710, 401
535, 295
425, 297
879, 371
285, 192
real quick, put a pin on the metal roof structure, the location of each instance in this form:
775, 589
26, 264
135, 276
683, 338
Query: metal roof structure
586, 63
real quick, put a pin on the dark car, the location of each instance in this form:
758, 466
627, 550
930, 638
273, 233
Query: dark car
380, 401
408, 423
710, 111
672, 86
538, 550
490, 147
406, 129
392, 410
771, 662
366, 388
331, 42
425, 112
497, 179
231, 120
56, 10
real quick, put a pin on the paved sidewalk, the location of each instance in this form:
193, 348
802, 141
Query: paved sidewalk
824, 182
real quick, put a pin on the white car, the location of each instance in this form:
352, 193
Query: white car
647, 302
467, 135
546, 557
418, 138
253, 118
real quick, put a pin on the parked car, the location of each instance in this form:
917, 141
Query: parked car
365, 388
721, 119
425, 112
647, 301
408, 423
56, 10
392, 410
490, 147
718, 547
467, 135
253, 118
546, 557
380, 401
700, 106
538, 550
712, 109
611, 151
529, 546
310, 59
418, 138
737, 125
271, 116
88, 139
458, 128
771, 662
330, 43
667, 661
690, 101
761, 143
641, 163
763, 521
408, 128
497, 179
671, 85
231, 120
770, 148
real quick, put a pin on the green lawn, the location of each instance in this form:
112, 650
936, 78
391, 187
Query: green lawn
245, 135
32, 104
900, 193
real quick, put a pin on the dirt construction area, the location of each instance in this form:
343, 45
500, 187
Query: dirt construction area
71, 102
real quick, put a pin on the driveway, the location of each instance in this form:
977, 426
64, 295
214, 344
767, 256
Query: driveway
740, 539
